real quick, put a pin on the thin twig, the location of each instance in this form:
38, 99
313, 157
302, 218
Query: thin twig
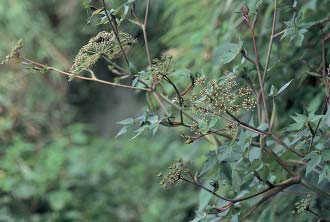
324, 108
115, 32
299, 162
147, 12
206, 189
320, 23
143, 27
247, 126
280, 142
115, 65
324, 63
279, 33
315, 189
272, 192
270, 44
162, 106
42, 66
180, 99
144, 30
319, 217
261, 92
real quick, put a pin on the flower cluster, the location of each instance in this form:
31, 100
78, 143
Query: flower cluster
303, 205
103, 44
216, 98
161, 67
175, 174
14, 53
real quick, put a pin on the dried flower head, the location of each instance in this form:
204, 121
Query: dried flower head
14, 53
161, 67
103, 44
175, 174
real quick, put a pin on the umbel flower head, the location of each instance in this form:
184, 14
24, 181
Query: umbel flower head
103, 44
162, 67
216, 98
14, 53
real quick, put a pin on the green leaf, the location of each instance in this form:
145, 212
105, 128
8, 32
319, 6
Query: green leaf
234, 219
254, 154
299, 118
273, 91
300, 123
209, 164
286, 85
326, 155
325, 174
204, 199
227, 52
202, 126
122, 131
127, 121
132, 68
97, 11
313, 162
315, 104
213, 122
237, 181
273, 116
152, 102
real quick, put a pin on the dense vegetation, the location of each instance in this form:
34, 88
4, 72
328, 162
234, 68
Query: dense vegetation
226, 101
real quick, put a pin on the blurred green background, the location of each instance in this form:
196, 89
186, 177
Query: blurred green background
59, 158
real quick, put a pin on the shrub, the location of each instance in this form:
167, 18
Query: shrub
259, 154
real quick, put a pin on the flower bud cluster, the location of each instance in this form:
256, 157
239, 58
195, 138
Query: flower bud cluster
14, 53
216, 98
161, 67
303, 205
175, 173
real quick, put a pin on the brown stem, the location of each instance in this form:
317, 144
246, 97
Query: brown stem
261, 92
320, 23
180, 99
277, 188
319, 217
315, 189
147, 12
42, 66
143, 27
115, 32
280, 142
324, 108
270, 43
280, 161
272, 192
206, 189
247, 126
324, 73
162, 106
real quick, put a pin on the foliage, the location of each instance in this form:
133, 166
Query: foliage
74, 178
222, 91
53, 168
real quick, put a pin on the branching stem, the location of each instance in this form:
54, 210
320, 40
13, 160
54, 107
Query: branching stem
94, 79
256, 61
